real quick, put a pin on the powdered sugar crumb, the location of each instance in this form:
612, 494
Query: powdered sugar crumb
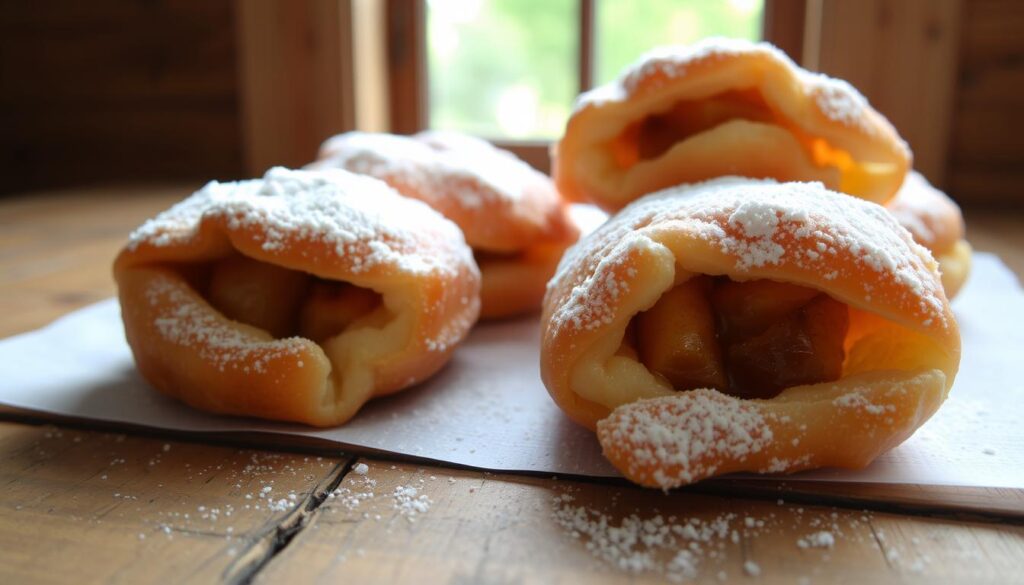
821, 539
409, 502
432, 162
665, 545
857, 401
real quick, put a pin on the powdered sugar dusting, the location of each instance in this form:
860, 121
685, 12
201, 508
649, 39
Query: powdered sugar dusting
857, 401
409, 502
757, 224
360, 217
685, 435
751, 568
592, 302
839, 101
492, 194
820, 539
836, 99
431, 161
672, 62
663, 545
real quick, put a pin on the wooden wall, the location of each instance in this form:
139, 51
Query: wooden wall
986, 158
117, 90
903, 56
125, 90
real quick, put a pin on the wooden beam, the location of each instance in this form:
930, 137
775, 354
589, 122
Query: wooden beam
903, 57
536, 153
295, 61
783, 26
587, 34
407, 65
370, 46
986, 164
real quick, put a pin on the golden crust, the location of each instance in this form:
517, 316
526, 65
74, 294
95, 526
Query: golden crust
955, 266
901, 327
331, 225
936, 222
795, 126
504, 207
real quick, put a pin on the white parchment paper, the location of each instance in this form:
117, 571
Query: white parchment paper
488, 408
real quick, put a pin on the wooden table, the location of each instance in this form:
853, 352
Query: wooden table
85, 503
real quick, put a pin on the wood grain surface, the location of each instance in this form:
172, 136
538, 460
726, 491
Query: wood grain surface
87, 505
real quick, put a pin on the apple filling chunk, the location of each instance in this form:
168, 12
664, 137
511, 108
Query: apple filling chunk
332, 307
681, 344
285, 302
748, 339
652, 136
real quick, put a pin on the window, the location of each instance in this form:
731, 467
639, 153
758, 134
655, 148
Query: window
508, 70
501, 68
313, 68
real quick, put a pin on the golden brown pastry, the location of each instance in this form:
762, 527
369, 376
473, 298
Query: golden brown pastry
747, 325
724, 107
936, 223
295, 297
514, 219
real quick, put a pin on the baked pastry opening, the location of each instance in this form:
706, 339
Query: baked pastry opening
654, 135
484, 257
748, 339
284, 302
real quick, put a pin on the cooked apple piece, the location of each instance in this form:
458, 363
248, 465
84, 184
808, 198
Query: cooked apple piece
257, 293
332, 307
749, 308
628, 346
805, 347
656, 134
676, 338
